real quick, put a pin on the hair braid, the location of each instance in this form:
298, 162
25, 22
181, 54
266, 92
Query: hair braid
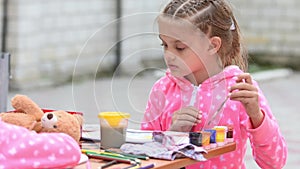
214, 18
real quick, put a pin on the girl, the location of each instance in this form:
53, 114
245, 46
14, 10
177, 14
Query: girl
206, 64
21, 148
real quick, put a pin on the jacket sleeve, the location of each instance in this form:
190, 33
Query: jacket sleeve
27, 149
154, 108
268, 145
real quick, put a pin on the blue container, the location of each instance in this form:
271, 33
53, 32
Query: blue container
212, 135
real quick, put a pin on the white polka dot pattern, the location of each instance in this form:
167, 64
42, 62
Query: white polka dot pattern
21, 147
267, 142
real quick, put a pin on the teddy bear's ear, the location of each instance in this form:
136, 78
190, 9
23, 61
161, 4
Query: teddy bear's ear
26, 105
79, 118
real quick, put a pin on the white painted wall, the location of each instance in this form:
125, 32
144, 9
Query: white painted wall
52, 42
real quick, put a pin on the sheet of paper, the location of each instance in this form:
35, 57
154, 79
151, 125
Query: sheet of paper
92, 132
138, 136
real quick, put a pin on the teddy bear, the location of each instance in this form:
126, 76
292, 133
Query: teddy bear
29, 115
61, 121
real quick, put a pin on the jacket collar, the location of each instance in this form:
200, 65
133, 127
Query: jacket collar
210, 83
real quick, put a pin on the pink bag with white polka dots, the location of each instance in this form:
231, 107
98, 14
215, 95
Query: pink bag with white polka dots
21, 148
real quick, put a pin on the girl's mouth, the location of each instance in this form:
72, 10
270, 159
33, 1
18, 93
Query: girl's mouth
172, 67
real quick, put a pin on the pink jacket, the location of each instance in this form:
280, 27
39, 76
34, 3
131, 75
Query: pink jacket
170, 94
24, 149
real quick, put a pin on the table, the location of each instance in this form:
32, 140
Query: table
167, 164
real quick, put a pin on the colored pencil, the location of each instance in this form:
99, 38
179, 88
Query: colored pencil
108, 164
135, 167
130, 167
110, 158
147, 166
130, 155
101, 153
111, 155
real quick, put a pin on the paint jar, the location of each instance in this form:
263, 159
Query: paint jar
229, 135
205, 139
195, 138
113, 126
220, 135
212, 141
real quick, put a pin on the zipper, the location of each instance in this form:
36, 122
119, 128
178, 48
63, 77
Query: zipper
194, 94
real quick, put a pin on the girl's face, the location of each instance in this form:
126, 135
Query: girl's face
185, 50
179, 57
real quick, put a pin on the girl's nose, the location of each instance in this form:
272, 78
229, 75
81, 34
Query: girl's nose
169, 56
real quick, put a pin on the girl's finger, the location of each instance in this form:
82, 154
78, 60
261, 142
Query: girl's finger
192, 108
243, 94
242, 86
192, 111
187, 118
187, 111
244, 77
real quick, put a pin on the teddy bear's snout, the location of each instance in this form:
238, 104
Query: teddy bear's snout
49, 120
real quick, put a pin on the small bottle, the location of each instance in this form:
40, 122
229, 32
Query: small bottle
229, 135
195, 138
220, 135
205, 139
212, 140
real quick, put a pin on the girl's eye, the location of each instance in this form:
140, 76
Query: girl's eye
164, 45
180, 48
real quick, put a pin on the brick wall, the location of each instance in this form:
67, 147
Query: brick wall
139, 34
48, 38
270, 26
52, 42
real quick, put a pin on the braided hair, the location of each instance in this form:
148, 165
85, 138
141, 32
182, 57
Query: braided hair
213, 18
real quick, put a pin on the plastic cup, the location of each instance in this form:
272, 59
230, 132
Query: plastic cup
113, 126
205, 139
220, 135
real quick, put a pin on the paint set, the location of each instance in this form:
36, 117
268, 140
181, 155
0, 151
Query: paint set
211, 138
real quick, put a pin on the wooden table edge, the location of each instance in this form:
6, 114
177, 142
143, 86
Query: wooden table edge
182, 162
177, 163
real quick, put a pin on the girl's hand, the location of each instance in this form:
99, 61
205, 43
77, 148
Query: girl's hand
245, 92
184, 119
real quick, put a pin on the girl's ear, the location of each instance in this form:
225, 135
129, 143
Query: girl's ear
215, 44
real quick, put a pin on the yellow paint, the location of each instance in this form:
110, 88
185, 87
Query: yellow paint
113, 118
220, 133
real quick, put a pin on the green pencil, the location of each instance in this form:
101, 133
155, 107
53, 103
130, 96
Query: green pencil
129, 155
110, 158
109, 154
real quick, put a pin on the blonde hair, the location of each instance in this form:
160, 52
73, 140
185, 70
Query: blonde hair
214, 18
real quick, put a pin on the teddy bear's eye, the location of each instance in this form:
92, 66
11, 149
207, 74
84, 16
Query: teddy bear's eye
55, 126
